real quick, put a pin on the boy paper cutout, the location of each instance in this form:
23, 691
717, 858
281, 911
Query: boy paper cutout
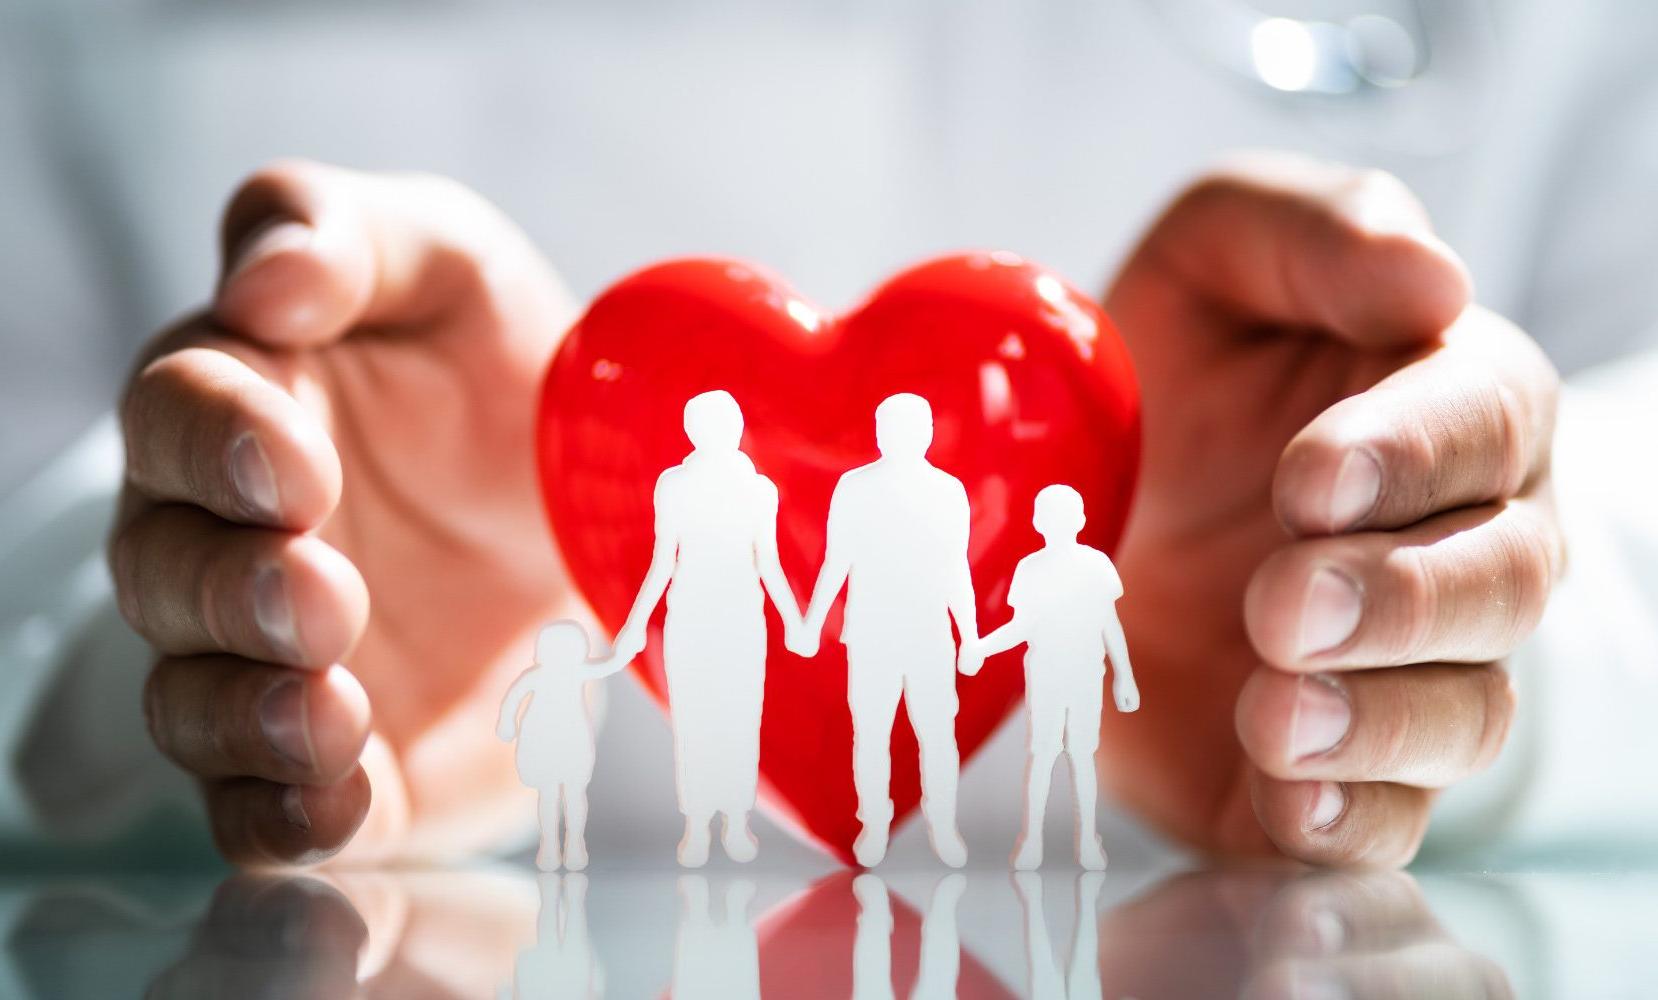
1064, 609
716, 544
897, 539
555, 737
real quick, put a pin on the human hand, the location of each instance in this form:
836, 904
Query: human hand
350, 416
1343, 519
970, 658
506, 731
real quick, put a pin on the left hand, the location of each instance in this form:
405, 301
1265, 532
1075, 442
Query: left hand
1343, 521
970, 658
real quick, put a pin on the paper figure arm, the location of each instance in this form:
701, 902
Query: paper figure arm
1123, 689
631, 639
507, 726
836, 565
770, 567
963, 608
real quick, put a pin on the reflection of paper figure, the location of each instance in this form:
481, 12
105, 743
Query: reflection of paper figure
555, 737
716, 544
940, 959
715, 959
807, 939
562, 962
1063, 598
897, 539
1082, 981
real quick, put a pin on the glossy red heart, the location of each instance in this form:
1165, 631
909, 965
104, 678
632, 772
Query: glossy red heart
1030, 385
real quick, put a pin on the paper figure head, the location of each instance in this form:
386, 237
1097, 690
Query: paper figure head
713, 421
561, 644
1058, 514
904, 426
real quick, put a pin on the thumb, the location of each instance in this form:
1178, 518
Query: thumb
1281, 239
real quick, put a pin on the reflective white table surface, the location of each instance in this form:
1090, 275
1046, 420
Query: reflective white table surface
509, 932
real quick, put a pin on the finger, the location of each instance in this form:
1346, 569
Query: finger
1428, 726
1470, 423
1288, 240
203, 428
311, 250
191, 583
1427, 969
1369, 824
224, 717
271, 937
1463, 587
257, 823
1331, 913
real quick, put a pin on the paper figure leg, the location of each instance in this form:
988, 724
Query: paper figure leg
548, 858
873, 689
575, 826
930, 697
1082, 740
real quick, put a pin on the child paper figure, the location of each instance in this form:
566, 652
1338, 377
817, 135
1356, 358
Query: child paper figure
897, 540
716, 545
555, 736
1064, 609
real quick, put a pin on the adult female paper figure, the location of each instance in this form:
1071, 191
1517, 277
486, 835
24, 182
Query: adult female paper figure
555, 736
716, 544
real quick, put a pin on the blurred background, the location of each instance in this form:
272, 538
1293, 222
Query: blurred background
833, 140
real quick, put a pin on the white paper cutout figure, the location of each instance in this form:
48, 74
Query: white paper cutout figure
897, 539
555, 737
1082, 980
562, 962
1064, 609
940, 959
716, 544
715, 959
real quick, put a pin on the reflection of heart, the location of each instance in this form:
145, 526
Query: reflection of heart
1030, 385
809, 945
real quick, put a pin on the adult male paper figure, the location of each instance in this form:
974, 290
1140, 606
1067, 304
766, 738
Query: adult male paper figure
1063, 598
716, 544
897, 539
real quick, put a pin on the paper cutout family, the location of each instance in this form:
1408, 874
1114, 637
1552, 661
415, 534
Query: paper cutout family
897, 543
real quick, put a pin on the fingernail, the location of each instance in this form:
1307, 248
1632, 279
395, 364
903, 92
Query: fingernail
1321, 716
273, 613
264, 242
1329, 613
283, 718
293, 807
1358, 484
250, 473
1327, 805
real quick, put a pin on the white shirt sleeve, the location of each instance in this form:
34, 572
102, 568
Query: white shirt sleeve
1576, 773
80, 772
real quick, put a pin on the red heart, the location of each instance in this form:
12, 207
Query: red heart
1029, 383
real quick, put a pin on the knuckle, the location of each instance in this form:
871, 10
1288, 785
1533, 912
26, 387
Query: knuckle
1416, 605
1498, 703
1523, 575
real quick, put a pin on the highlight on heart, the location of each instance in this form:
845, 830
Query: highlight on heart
897, 538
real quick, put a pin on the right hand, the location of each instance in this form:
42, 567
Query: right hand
970, 659
352, 415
